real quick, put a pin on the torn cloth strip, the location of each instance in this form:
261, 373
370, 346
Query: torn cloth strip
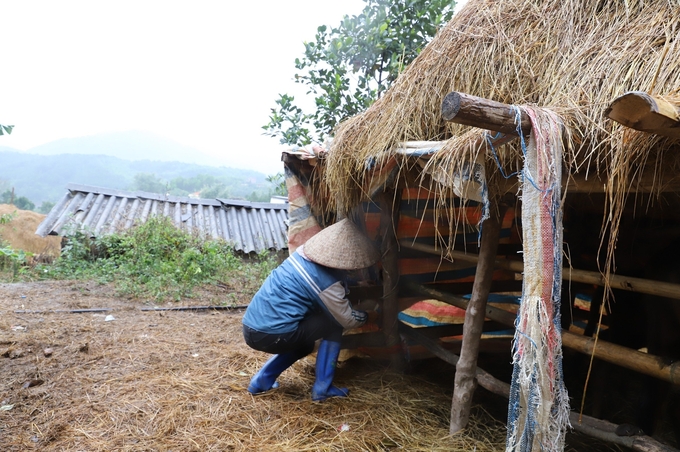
538, 411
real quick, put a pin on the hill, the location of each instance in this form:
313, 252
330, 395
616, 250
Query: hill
132, 145
44, 177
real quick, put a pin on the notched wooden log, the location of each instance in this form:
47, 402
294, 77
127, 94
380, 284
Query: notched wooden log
483, 113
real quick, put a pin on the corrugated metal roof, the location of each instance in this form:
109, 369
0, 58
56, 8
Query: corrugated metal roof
249, 226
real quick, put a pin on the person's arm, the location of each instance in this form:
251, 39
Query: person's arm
340, 308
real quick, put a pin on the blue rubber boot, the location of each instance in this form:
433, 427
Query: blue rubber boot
326, 360
265, 379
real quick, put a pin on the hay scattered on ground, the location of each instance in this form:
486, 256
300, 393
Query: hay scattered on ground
176, 381
162, 381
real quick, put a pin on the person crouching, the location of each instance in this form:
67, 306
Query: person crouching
303, 300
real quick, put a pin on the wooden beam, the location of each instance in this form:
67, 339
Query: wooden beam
606, 431
596, 428
639, 285
651, 180
485, 379
483, 113
622, 356
647, 113
465, 381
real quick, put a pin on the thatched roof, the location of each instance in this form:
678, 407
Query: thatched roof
572, 56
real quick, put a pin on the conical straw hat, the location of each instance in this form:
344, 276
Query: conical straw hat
341, 246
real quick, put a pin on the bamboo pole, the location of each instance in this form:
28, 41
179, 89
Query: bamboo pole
465, 381
639, 285
622, 356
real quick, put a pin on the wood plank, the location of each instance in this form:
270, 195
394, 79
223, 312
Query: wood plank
647, 113
390, 272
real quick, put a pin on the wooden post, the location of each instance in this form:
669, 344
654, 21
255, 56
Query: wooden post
483, 113
390, 272
465, 381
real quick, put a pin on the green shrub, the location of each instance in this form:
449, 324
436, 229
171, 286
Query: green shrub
12, 261
156, 260
7, 217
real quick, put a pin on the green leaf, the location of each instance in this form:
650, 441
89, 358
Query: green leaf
346, 68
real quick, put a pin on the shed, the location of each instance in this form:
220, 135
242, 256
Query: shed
442, 167
252, 227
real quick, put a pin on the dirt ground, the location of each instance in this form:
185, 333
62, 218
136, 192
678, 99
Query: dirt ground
175, 381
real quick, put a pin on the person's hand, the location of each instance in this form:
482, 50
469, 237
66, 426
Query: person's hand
367, 305
373, 317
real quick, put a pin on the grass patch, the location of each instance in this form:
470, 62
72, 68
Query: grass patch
155, 261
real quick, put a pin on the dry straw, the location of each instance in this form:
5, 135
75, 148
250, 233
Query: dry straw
573, 57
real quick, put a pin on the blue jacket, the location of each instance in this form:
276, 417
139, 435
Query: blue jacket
293, 290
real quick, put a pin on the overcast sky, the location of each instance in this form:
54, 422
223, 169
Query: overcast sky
202, 73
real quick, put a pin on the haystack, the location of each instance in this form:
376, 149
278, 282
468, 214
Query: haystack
19, 233
574, 57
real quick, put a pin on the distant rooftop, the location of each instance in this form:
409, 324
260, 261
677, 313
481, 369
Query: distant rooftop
249, 226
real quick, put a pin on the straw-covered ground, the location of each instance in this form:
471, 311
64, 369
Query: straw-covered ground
175, 381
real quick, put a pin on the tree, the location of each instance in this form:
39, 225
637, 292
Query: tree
7, 129
21, 202
149, 182
217, 190
24, 203
278, 181
347, 68
45, 207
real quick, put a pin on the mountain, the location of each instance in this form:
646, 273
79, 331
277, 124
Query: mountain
44, 177
130, 145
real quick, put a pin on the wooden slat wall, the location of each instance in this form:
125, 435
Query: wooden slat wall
417, 223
